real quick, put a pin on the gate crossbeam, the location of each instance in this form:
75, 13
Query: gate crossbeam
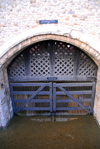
67, 93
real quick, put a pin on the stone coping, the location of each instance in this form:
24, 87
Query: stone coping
53, 30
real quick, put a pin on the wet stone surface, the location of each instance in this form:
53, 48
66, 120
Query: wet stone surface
71, 132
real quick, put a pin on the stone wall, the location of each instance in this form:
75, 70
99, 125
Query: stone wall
6, 111
17, 16
78, 24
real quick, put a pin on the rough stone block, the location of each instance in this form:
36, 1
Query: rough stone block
42, 37
83, 45
78, 43
2, 94
33, 40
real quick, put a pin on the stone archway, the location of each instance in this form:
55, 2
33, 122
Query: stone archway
10, 49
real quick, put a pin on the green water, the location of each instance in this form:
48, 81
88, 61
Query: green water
73, 132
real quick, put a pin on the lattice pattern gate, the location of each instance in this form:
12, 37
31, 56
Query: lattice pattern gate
56, 62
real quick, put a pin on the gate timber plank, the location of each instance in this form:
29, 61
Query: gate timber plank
31, 92
37, 108
70, 108
74, 92
74, 84
68, 100
34, 100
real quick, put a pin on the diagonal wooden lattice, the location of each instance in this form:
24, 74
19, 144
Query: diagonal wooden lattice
40, 61
17, 69
51, 59
86, 66
64, 59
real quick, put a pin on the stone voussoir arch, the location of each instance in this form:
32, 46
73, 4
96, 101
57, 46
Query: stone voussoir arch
74, 37
14, 46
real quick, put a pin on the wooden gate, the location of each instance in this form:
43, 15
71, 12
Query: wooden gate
75, 98
55, 62
38, 97
31, 97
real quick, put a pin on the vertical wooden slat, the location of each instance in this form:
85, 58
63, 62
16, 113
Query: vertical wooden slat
93, 96
76, 61
27, 62
52, 57
50, 88
54, 97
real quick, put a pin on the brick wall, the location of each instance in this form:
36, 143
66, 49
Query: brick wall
78, 24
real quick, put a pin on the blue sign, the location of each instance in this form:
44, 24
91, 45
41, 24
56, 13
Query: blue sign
47, 21
52, 78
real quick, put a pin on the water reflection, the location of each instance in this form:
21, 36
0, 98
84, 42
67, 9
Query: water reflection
52, 119
68, 132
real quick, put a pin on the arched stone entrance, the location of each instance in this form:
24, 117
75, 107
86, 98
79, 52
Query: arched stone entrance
11, 49
67, 74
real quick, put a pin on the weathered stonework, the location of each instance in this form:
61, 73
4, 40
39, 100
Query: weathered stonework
81, 15
78, 24
6, 111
